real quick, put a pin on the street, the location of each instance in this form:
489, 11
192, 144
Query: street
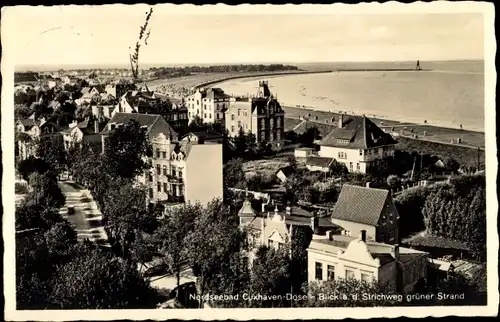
86, 218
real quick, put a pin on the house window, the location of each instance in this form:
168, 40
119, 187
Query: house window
174, 172
197, 102
319, 271
164, 154
239, 112
165, 187
150, 192
342, 155
366, 277
380, 151
239, 124
331, 272
210, 116
150, 176
158, 153
350, 166
158, 185
349, 274
179, 173
358, 167
360, 152
232, 117
244, 113
204, 106
165, 170
158, 171
205, 115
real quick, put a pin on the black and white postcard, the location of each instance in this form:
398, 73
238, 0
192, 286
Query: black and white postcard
255, 161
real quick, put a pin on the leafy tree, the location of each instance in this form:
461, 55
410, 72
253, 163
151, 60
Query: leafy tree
34, 216
215, 238
45, 191
240, 143
51, 150
59, 239
307, 138
251, 143
292, 162
409, 205
302, 236
270, 277
172, 232
452, 165
393, 181
97, 280
125, 214
459, 212
32, 271
233, 174
32, 165
125, 151
197, 124
338, 169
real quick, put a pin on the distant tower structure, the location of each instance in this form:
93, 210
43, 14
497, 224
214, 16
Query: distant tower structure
264, 91
418, 65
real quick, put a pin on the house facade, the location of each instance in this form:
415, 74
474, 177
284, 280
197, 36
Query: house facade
209, 104
181, 172
343, 257
147, 102
261, 115
272, 227
367, 209
357, 142
30, 130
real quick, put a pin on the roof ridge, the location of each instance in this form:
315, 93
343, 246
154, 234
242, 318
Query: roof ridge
152, 125
352, 185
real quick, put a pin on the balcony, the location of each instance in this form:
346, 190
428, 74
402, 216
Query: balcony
174, 180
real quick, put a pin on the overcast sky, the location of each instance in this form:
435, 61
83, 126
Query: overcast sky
103, 35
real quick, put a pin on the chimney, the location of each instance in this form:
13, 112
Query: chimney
363, 236
368, 184
263, 207
396, 252
313, 226
96, 125
341, 121
288, 210
329, 235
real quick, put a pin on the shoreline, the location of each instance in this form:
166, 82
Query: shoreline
305, 72
265, 74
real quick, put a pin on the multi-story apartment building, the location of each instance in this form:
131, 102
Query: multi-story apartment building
209, 104
334, 257
261, 115
181, 171
357, 142
368, 209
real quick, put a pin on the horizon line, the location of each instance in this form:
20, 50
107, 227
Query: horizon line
152, 64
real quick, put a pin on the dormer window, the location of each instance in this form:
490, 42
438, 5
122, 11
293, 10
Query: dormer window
343, 141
